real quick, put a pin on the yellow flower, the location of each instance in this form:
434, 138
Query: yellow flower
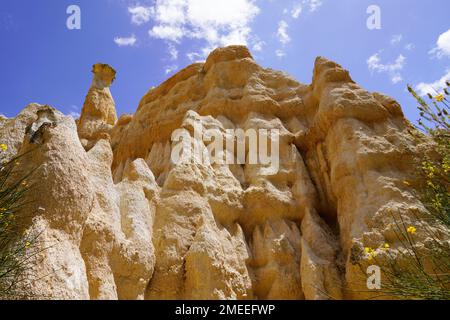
440, 97
371, 253
4, 147
387, 246
411, 230
27, 244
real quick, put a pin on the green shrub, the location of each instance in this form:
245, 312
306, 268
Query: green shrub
16, 245
422, 271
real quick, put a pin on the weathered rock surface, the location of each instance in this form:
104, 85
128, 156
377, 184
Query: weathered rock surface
99, 112
126, 222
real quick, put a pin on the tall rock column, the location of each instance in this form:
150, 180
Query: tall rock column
99, 112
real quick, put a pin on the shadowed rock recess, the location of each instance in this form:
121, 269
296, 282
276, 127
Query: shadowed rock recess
119, 220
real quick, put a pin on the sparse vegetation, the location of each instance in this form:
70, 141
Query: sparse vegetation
16, 244
422, 270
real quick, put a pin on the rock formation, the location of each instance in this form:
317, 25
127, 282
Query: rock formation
126, 222
99, 112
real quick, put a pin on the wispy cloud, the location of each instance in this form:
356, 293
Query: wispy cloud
280, 53
392, 69
409, 46
282, 33
258, 46
424, 88
125, 41
396, 39
442, 48
302, 5
173, 52
140, 14
296, 10
313, 4
171, 68
194, 56
74, 112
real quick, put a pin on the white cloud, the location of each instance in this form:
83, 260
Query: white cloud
258, 46
173, 52
433, 87
296, 10
194, 56
396, 78
167, 32
282, 34
442, 46
280, 53
218, 23
127, 41
313, 4
298, 7
170, 69
139, 14
392, 69
74, 112
410, 46
74, 115
396, 39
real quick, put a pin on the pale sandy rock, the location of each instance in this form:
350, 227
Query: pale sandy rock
216, 265
98, 115
320, 263
12, 131
95, 237
117, 244
59, 161
276, 248
130, 223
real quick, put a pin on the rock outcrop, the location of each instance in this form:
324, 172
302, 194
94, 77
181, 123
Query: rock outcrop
126, 222
99, 112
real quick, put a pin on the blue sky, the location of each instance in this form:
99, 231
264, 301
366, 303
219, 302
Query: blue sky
147, 41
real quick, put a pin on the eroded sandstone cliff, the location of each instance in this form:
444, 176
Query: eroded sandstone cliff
120, 220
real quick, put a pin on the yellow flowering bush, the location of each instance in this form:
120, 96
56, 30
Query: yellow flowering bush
16, 246
417, 264
416, 271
